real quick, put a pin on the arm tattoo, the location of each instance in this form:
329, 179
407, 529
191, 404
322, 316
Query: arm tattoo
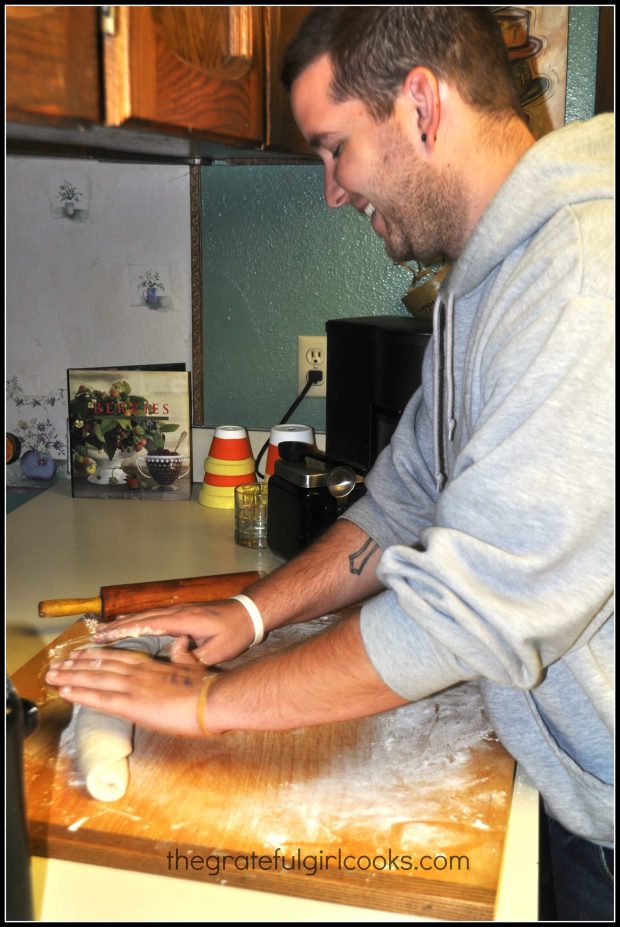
357, 569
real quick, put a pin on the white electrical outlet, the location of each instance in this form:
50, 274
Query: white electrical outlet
312, 355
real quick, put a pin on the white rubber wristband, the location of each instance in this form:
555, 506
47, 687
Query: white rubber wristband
255, 615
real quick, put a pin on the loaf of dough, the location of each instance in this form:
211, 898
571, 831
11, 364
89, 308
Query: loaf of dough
104, 742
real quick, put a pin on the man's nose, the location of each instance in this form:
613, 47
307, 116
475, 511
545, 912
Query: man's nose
335, 195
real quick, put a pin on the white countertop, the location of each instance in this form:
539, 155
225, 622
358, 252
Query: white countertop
58, 547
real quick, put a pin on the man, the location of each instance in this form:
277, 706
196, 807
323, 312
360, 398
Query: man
484, 543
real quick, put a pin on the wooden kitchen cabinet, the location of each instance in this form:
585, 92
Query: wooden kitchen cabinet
188, 69
281, 24
196, 69
200, 74
52, 65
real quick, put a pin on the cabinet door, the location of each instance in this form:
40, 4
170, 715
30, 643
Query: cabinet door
52, 65
196, 69
281, 24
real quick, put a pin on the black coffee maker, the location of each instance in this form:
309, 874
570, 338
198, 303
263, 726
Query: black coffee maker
307, 493
21, 720
374, 366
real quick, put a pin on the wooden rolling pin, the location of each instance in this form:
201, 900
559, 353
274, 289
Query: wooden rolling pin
139, 597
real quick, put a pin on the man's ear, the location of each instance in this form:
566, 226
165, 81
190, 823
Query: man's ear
421, 90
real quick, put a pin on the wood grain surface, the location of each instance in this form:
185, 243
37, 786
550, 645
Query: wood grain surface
403, 812
126, 598
166, 90
52, 65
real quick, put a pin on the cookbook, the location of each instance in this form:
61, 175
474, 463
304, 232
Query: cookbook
130, 432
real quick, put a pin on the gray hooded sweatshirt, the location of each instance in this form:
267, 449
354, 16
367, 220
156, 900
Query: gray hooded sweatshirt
493, 503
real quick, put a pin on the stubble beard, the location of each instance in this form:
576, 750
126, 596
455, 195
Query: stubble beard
423, 210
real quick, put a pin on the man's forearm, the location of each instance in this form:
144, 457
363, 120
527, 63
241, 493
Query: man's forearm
336, 571
328, 678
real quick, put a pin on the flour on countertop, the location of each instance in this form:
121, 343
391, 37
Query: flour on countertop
389, 780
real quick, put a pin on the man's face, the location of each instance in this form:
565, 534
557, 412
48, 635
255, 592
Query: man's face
377, 162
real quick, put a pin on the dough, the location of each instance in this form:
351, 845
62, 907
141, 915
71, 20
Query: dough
104, 742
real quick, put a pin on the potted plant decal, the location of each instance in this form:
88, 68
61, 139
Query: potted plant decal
41, 439
68, 195
150, 283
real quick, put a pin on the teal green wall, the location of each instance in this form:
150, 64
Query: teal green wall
278, 263
581, 69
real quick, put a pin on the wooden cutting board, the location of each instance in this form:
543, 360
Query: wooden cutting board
404, 812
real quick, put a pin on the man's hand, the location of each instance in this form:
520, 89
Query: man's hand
326, 678
154, 694
220, 631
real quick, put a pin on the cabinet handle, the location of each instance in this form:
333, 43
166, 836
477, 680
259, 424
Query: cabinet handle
215, 40
240, 32
108, 20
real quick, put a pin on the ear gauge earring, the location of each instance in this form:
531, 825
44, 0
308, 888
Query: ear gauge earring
423, 136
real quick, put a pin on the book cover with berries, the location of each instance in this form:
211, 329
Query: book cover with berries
130, 433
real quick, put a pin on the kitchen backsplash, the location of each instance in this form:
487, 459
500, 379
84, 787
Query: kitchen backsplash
98, 274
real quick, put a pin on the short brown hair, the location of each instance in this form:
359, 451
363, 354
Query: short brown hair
372, 50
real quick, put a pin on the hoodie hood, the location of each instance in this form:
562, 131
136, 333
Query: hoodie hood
566, 167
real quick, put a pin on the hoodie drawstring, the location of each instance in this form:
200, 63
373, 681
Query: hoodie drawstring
443, 357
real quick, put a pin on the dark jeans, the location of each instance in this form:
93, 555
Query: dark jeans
577, 879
